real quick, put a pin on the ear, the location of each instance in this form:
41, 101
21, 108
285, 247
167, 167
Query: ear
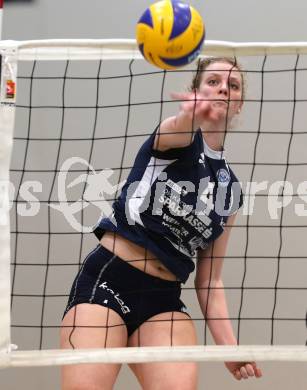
239, 108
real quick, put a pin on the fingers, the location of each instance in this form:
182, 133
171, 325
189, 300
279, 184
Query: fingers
250, 370
192, 103
242, 373
258, 372
186, 96
181, 96
198, 108
237, 375
247, 370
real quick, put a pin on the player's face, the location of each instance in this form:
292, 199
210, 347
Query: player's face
221, 83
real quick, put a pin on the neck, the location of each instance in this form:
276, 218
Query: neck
214, 136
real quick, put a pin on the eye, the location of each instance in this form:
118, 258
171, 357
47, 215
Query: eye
212, 82
234, 86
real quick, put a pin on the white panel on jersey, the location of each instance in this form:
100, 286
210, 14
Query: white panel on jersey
136, 201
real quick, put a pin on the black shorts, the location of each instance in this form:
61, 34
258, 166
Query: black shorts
109, 281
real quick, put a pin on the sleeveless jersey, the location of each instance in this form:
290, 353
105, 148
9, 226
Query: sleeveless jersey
175, 202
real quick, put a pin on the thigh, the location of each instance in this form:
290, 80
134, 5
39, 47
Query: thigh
166, 329
91, 326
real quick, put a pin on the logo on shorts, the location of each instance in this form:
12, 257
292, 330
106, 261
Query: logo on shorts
124, 308
223, 177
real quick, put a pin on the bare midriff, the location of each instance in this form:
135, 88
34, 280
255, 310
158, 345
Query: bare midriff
136, 255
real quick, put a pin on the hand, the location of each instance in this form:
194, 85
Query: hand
197, 108
243, 370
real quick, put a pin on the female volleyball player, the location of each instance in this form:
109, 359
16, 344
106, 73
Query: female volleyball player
177, 199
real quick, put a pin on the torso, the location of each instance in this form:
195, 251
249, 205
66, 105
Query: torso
137, 256
166, 206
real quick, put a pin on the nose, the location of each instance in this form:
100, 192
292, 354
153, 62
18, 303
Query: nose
224, 89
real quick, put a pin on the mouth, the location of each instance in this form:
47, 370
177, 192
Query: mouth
221, 103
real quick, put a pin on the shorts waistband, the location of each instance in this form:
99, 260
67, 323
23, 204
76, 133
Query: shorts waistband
121, 266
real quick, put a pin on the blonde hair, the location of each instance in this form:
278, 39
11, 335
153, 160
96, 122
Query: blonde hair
203, 65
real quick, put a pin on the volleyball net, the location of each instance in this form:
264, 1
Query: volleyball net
73, 114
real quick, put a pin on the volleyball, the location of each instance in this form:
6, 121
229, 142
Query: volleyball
170, 34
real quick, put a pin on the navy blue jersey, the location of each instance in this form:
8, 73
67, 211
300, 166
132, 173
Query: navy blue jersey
175, 202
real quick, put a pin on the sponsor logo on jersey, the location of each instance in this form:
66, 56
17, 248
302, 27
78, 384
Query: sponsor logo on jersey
223, 177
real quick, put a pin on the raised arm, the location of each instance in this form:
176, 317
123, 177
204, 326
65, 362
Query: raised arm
212, 300
178, 131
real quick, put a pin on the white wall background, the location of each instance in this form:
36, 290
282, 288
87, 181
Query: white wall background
237, 20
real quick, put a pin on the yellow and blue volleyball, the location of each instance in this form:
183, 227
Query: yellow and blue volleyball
170, 34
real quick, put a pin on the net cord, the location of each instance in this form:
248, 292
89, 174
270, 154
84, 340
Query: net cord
155, 354
95, 49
